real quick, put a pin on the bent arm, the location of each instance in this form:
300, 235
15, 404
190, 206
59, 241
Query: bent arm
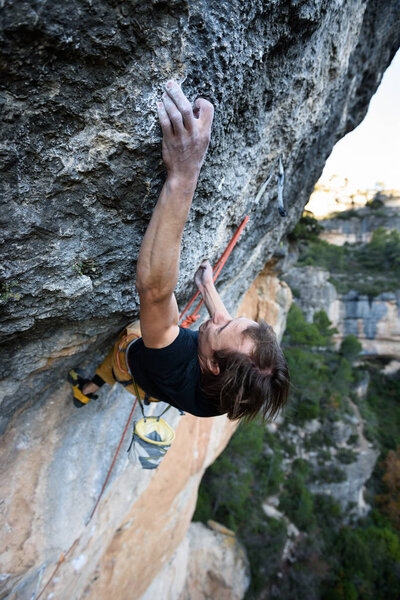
213, 301
205, 284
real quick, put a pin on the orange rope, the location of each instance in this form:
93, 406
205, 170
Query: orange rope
192, 318
64, 556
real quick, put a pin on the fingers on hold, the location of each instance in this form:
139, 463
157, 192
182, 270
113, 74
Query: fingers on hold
163, 118
204, 111
173, 113
204, 105
181, 102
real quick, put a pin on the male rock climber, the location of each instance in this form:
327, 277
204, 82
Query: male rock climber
231, 365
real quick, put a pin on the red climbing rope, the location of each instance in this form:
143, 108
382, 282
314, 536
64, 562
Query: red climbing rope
188, 321
113, 462
64, 556
216, 270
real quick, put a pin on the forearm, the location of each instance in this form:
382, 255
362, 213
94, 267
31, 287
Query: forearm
158, 262
212, 300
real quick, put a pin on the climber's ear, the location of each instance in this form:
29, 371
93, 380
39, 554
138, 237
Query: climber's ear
212, 366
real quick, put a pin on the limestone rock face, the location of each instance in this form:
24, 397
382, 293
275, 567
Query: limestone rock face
81, 162
350, 492
81, 170
361, 226
209, 563
313, 291
374, 321
53, 466
217, 565
268, 298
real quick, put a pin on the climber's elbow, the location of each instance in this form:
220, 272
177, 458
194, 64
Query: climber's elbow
152, 294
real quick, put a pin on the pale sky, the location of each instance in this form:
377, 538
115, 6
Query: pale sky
371, 152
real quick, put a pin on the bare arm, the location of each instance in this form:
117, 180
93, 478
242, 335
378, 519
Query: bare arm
204, 281
186, 134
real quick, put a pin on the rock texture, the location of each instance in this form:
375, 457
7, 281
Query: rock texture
350, 492
54, 462
80, 149
360, 227
53, 466
375, 321
268, 298
81, 170
313, 291
209, 563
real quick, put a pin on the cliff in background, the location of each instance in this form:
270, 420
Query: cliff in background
81, 170
364, 303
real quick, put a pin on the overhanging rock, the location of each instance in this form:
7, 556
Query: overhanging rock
81, 161
81, 170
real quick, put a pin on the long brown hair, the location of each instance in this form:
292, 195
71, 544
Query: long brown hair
249, 384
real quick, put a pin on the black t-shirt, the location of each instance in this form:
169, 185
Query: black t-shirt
172, 374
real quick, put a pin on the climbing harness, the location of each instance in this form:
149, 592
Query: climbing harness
151, 438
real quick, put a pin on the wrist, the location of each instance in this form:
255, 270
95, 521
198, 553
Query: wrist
208, 286
183, 182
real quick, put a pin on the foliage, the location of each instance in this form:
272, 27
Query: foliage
390, 500
369, 563
296, 501
383, 408
321, 378
334, 560
370, 268
307, 228
7, 293
346, 456
330, 474
350, 347
347, 214
88, 267
234, 489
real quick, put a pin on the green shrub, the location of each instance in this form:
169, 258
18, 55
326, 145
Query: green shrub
307, 228
350, 347
370, 268
347, 214
331, 474
346, 456
296, 502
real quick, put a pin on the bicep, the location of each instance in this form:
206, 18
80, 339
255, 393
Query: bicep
158, 320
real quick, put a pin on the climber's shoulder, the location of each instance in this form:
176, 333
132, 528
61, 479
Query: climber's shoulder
159, 318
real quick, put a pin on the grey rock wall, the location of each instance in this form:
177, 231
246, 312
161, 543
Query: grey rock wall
80, 150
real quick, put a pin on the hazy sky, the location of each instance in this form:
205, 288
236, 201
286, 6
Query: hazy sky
371, 152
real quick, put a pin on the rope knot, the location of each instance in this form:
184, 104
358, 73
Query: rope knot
190, 319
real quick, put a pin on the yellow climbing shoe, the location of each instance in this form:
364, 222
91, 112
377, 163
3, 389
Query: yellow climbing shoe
78, 382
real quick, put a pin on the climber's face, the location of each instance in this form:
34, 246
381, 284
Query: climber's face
222, 333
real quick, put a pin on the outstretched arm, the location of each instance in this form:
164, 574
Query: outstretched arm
212, 300
186, 134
